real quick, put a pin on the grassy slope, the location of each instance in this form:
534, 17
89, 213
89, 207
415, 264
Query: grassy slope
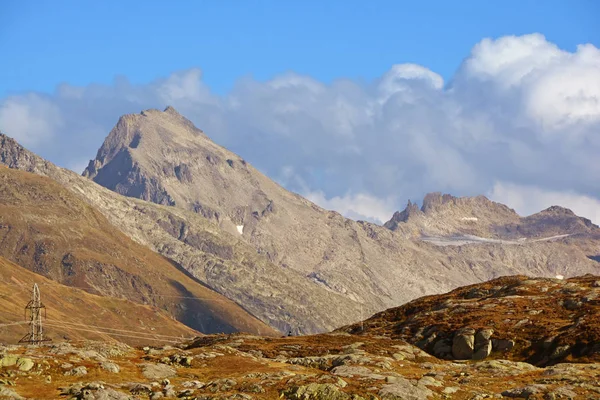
47, 229
75, 306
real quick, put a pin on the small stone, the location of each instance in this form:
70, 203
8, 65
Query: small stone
77, 371
341, 383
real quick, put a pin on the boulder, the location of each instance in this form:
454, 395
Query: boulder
463, 344
25, 364
6, 393
403, 389
9, 360
77, 371
483, 335
524, 392
110, 367
442, 348
483, 344
502, 344
157, 371
482, 351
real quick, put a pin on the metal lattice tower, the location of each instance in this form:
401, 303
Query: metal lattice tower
34, 308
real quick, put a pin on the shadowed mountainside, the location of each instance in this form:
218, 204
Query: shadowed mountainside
72, 313
47, 229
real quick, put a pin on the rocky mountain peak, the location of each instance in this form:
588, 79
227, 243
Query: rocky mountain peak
412, 210
447, 214
558, 210
433, 201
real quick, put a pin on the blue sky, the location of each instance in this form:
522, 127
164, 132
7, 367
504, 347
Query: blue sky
45, 43
348, 103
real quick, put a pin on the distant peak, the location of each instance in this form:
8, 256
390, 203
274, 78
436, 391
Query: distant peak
411, 210
171, 110
435, 199
558, 210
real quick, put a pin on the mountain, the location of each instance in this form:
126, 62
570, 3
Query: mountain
278, 296
446, 215
160, 156
75, 314
52, 232
538, 320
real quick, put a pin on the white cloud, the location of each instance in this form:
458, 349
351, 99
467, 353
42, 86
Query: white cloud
510, 59
401, 78
32, 119
357, 206
527, 200
519, 109
567, 93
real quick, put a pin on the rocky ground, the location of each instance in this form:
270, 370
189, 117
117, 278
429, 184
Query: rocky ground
333, 366
513, 337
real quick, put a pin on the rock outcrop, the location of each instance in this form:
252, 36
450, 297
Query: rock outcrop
541, 321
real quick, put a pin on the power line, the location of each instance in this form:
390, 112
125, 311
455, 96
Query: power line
14, 323
114, 329
115, 334
67, 327
143, 294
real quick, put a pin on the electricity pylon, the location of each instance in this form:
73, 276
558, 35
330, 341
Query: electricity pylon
36, 330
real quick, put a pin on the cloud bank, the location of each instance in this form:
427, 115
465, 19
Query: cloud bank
519, 121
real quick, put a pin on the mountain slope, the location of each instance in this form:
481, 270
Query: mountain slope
52, 232
161, 157
72, 313
278, 296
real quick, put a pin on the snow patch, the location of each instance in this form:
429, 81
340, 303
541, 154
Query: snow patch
474, 219
240, 229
